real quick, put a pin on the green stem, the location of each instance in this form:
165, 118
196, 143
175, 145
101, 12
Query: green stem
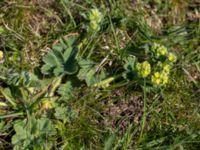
69, 13
114, 33
144, 110
11, 115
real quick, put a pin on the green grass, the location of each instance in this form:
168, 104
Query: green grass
101, 104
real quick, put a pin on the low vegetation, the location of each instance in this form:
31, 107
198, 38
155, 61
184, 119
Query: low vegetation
100, 74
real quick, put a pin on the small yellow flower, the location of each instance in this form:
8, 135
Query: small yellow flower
1, 55
166, 68
144, 69
159, 78
95, 15
165, 78
157, 74
145, 73
161, 51
172, 57
155, 79
94, 26
95, 18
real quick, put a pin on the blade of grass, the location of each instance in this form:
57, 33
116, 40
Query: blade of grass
11, 115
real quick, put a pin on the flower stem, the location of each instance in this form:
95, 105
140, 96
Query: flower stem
144, 111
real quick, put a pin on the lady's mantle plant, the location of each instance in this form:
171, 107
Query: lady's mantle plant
155, 69
61, 60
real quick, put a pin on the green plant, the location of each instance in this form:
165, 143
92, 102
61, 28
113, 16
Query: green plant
88, 72
65, 113
33, 134
95, 18
95, 75
62, 59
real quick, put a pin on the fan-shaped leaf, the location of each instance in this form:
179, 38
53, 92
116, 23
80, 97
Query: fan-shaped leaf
61, 59
50, 59
46, 69
58, 70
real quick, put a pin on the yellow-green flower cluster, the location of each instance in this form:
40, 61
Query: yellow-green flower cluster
143, 69
1, 55
159, 70
172, 57
159, 78
165, 67
95, 18
160, 50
